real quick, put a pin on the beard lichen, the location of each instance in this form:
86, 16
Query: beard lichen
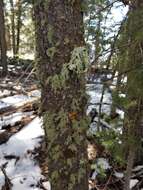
77, 65
79, 60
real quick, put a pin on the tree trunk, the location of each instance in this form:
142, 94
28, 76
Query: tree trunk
130, 163
19, 11
97, 39
3, 39
133, 117
13, 27
61, 64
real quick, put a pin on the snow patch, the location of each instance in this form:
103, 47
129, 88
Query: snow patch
133, 182
47, 185
13, 118
23, 171
119, 174
137, 168
103, 163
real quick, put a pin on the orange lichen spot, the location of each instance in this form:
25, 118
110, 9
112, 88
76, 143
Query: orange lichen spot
73, 116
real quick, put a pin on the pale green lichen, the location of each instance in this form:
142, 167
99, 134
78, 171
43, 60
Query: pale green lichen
50, 52
50, 33
72, 181
79, 60
78, 64
66, 40
60, 125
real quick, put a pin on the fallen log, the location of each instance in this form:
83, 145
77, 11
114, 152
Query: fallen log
5, 95
28, 106
10, 87
15, 126
15, 89
4, 136
11, 130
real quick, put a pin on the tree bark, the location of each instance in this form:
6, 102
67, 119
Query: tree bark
61, 64
19, 12
133, 118
3, 39
13, 27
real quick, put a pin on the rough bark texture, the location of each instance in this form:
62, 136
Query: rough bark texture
13, 27
61, 63
19, 24
133, 119
3, 39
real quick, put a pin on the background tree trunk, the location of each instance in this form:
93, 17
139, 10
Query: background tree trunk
3, 39
19, 12
13, 27
61, 63
133, 117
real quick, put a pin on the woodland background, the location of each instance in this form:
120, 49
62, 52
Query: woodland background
71, 94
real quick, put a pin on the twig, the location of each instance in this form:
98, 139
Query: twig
108, 181
29, 74
8, 184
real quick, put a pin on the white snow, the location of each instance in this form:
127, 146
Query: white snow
3, 104
16, 99
24, 172
95, 91
93, 177
121, 113
133, 182
4, 92
137, 168
35, 93
13, 118
103, 163
19, 100
119, 174
47, 185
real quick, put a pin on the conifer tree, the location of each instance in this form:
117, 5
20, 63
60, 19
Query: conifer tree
3, 39
61, 63
134, 86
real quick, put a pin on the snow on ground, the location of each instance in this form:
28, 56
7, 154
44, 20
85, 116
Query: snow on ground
13, 118
3, 104
4, 92
101, 163
119, 174
23, 172
35, 93
19, 100
137, 168
16, 99
95, 91
133, 182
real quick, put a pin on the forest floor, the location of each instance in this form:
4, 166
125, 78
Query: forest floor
22, 158
21, 131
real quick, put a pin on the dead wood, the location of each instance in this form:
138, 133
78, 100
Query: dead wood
8, 184
4, 136
28, 106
